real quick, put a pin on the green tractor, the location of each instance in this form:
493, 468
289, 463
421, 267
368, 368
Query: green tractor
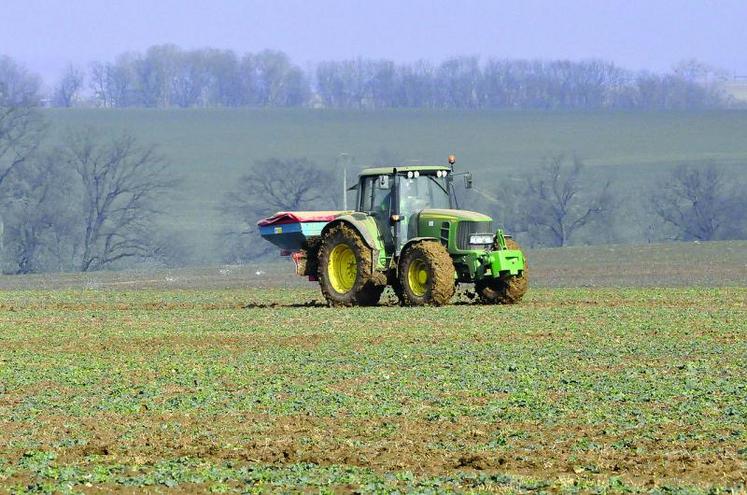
406, 232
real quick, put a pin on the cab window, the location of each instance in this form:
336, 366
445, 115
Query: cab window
374, 196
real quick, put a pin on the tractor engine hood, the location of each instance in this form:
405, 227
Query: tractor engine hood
453, 215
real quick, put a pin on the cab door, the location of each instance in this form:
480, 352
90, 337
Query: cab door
376, 200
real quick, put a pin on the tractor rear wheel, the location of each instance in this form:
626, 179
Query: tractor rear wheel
506, 289
426, 275
345, 269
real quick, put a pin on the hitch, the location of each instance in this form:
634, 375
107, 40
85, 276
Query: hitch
503, 260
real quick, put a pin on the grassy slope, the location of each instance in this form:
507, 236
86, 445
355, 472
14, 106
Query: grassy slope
574, 389
213, 147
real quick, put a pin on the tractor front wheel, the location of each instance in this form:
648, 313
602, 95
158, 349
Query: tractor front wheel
506, 289
345, 269
426, 275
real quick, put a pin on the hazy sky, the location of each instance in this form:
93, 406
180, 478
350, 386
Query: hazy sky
639, 34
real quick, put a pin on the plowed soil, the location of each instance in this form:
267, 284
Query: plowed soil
249, 390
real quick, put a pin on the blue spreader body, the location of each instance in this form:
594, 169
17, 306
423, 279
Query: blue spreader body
291, 236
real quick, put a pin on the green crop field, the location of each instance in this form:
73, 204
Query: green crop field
248, 390
210, 148
108, 385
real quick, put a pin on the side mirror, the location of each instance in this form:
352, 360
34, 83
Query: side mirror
468, 180
384, 182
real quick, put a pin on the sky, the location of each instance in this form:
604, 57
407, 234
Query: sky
46, 35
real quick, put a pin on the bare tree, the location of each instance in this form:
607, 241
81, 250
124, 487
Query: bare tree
98, 82
115, 84
699, 203
697, 71
40, 219
557, 204
67, 90
21, 125
121, 185
272, 185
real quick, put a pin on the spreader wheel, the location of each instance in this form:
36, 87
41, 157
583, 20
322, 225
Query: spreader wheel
506, 289
345, 274
426, 275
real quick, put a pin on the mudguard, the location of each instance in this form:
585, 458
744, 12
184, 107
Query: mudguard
412, 241
366, 226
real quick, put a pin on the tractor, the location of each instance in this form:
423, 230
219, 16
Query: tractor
406, 232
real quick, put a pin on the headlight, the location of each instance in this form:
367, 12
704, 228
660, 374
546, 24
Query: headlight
481, 239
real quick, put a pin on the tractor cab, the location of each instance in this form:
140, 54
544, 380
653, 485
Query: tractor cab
395, 196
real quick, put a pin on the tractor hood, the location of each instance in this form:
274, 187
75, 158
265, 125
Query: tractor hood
453, 215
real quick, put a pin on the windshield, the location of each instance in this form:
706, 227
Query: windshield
416, 194
425, 191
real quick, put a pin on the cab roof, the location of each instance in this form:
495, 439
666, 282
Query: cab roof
407, 168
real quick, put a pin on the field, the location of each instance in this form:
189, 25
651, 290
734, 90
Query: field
125, 382
210, 148
683, 264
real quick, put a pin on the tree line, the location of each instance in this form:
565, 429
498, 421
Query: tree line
166, 76
563, 203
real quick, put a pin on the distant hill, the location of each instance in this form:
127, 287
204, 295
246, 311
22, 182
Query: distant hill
210, 148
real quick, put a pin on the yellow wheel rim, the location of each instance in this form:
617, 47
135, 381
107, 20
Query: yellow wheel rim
342, 268
417, 277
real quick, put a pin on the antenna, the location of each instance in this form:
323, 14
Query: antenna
346, 159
